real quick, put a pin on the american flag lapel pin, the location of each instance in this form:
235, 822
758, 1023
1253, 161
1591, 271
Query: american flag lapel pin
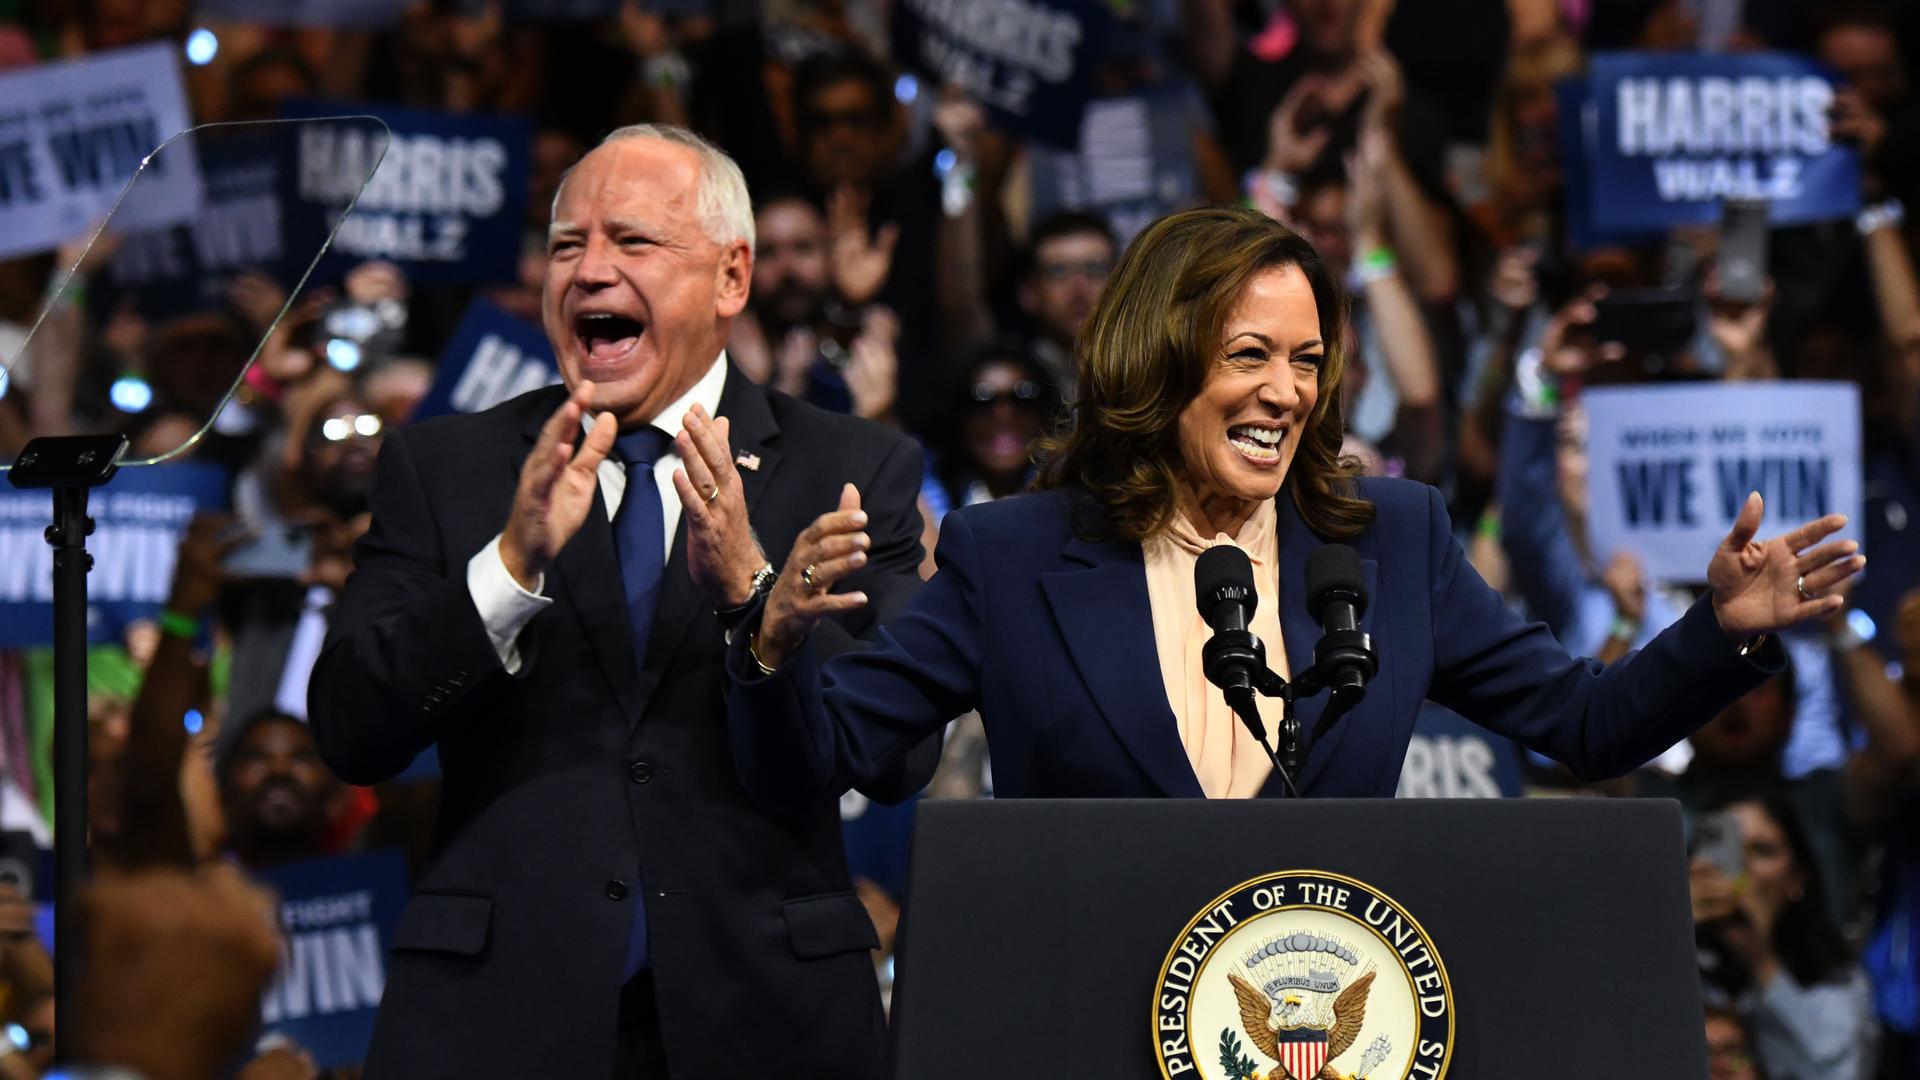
747, 461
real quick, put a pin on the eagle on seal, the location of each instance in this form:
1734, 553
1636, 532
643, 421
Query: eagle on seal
1349, 1012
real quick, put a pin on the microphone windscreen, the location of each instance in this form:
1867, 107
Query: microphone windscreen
1223, 572
1334, 573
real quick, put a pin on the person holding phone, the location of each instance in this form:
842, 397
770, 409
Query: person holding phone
1770, 948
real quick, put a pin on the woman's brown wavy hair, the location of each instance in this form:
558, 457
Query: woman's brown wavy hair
1146, 350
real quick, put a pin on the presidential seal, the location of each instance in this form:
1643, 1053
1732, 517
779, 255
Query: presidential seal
1303, 975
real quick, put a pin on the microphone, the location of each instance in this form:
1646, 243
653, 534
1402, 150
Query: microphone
1337, 598
1233, 659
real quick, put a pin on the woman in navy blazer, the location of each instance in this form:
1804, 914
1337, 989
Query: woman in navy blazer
1210, 376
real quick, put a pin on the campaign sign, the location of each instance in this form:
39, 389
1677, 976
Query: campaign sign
240, 226
139, 518
447, 203
72, 134
1028, 62
1670, 136
337, 917
1451, 757
1670, 466
493, 356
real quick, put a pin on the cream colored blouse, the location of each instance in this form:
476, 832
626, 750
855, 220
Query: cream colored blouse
1228, 761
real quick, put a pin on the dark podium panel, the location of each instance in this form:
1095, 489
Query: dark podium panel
1036, 930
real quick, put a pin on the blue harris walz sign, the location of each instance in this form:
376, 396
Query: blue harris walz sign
493, 356
139, 518
447, 203
336, 917
1029, 62
1664, 139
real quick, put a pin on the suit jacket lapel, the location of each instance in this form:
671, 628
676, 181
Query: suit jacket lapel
751, 426
584, 569
1104, 614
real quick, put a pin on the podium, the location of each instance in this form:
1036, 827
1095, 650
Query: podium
1043, 939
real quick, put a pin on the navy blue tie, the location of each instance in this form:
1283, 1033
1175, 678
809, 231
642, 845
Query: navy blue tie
638, 539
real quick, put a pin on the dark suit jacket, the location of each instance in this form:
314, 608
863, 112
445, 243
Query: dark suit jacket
1050, 636
562, 780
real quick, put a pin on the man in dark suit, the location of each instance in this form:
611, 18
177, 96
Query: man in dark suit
603, 900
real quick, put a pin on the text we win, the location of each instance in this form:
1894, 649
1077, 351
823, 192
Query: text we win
1663, 490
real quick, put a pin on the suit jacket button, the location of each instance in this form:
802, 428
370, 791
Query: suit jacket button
616, 889
640, 771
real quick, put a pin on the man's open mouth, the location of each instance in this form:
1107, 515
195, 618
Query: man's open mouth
605, 335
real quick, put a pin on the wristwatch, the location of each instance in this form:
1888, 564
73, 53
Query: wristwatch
763, 580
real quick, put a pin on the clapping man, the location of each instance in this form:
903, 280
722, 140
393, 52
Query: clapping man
603, 899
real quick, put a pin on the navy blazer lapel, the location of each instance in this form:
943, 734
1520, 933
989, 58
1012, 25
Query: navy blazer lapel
750, 427
588, 570
1297, 625
1104, 614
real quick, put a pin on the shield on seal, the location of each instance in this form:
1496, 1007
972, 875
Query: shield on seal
1303, 1051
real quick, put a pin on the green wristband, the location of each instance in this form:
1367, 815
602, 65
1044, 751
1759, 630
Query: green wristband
181, 626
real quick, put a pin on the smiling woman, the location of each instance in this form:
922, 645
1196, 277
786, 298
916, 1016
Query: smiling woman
1215, 319
1207, 415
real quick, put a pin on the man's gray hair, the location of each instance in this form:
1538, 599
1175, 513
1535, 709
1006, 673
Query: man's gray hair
720, 197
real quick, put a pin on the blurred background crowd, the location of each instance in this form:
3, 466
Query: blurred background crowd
921, 266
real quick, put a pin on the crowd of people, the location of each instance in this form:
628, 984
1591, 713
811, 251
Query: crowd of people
921, 268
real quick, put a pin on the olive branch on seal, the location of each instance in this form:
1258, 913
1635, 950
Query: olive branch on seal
1238, 1065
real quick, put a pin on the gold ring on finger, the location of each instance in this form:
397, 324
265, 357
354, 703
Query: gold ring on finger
806, 576
713, 492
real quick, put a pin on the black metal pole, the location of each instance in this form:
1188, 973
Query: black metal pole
68, 535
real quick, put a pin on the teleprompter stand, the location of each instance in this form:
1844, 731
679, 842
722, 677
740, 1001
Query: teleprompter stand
69, 466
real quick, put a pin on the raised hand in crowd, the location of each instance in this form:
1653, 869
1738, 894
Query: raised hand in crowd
1739, 331
1417, 227
872, 370
1567, 348
176, 962
961, 123
1880, 774
860, 257
161, 826
1301, 127
797, 354
199, 572
1513, 289
1513, 284
960, 263
126, 332
1386, 89
1366, 194
557, 488
1626, 584
257, 297
1851, 118
376, 280
333, 541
